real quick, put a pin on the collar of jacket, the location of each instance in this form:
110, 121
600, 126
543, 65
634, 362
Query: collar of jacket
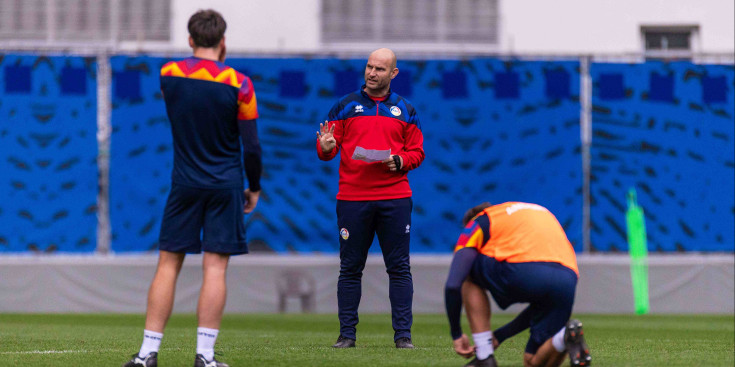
362, 90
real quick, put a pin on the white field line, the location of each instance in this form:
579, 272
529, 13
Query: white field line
70, 351
47, 352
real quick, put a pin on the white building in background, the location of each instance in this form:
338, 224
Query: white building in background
674, 28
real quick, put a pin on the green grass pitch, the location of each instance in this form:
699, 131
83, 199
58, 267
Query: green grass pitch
304, 340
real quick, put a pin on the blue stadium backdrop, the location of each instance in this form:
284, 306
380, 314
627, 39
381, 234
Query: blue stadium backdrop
48, 154
141, 155
665, 129
495, 130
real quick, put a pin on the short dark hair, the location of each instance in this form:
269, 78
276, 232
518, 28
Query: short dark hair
206, 28
469, 214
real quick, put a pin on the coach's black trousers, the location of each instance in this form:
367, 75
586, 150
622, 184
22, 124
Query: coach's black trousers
358, 222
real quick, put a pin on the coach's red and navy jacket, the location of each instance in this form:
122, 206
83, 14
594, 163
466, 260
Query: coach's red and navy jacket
373, 124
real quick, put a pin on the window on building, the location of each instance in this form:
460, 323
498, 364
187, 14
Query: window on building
410, 21
79, 20
145, 20
23, 20
669, 42
85, 20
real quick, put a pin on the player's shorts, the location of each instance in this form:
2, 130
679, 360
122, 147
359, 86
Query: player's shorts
548, 288
209, 220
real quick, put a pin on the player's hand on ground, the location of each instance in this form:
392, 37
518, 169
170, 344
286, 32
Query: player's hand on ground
326, 137
463, 348
390, 162
251, 200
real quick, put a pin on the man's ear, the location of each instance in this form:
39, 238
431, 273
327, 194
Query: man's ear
191, 42
222, 50
394, 73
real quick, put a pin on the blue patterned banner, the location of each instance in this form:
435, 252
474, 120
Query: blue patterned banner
48, 150
494, 131
665, 129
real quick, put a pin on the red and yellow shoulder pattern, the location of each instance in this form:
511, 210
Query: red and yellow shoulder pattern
203, 70
209, 70
471, 236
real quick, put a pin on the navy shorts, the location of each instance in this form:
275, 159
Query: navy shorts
548, 288
209, 220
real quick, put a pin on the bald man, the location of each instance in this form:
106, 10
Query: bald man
378, 135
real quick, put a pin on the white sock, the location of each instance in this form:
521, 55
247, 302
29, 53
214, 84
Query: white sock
151, 343
205, 342
483, 344
558, 340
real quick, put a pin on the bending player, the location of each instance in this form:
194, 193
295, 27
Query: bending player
520, 253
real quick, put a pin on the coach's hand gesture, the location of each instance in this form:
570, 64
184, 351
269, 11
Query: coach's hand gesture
463, 348
326, 137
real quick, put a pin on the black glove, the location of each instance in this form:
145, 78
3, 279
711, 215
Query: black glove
397, 160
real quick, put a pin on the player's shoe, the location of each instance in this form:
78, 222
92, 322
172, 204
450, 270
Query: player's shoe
343, 342
487, 362
200, 361
150, 360
404, 343
579, 352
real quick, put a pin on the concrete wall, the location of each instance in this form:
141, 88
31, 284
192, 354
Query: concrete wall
268, 25
682, 284
610, 26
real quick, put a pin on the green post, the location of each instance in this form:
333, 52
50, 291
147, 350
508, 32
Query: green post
638, 249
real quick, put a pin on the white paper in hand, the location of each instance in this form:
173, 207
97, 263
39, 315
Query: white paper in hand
370, 155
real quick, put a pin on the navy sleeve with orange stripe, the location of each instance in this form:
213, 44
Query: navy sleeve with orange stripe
252, 156
247, 113
247, 103
458, 272
475, 234
473, 237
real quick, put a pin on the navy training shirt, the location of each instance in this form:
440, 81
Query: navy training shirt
208, 104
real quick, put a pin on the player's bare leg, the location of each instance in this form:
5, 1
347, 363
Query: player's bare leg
556, 361
213, 294
160, 303
477, 307
527, 358
546, 356
212, 298
162, 290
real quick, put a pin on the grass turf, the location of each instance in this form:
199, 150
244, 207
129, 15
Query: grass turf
304, 340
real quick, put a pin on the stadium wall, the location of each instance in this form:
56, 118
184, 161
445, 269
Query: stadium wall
679, 284
496, 129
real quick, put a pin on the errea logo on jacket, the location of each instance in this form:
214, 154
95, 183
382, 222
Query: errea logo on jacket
358, 108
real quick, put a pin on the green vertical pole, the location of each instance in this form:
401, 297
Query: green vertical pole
638, 249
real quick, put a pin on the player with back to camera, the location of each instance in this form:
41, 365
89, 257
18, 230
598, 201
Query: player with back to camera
520, 253
212, 110
374, 196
